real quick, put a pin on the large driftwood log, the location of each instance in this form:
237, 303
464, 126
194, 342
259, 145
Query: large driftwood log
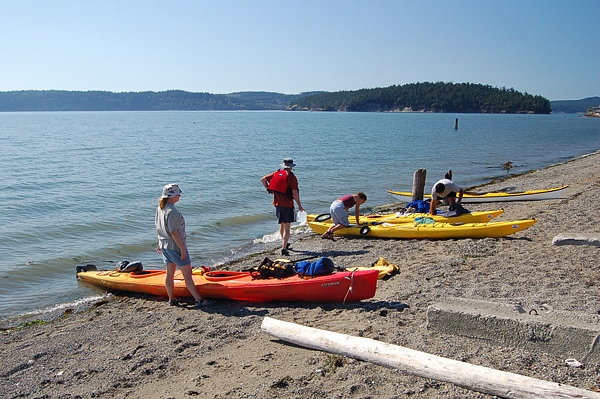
418, 184
477, 378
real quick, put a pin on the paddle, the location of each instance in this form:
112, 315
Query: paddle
364, 227
307, 258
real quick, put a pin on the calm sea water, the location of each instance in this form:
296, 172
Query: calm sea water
82, 187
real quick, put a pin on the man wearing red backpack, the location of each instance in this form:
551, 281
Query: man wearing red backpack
284, 185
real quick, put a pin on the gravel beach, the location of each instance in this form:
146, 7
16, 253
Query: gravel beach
132, 346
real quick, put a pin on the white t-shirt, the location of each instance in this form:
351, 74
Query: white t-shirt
450, 187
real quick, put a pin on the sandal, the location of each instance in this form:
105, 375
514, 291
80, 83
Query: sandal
174, 302
328, 235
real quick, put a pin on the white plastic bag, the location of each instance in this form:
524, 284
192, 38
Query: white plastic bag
301, 219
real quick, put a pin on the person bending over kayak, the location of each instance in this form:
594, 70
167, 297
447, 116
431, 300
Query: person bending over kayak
445, 188
170, 229
339, 212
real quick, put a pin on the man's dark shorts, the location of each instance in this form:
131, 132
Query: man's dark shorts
451, 194
285, 214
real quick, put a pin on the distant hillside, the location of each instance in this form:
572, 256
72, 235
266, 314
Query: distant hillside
59, 100
417, 97
574, 106
427, 97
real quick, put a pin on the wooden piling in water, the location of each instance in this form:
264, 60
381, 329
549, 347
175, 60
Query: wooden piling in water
418, 184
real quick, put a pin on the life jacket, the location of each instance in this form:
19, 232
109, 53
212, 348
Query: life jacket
279, 183
279, 268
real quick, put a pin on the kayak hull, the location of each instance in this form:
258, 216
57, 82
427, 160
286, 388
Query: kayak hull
471, 217
472, 198
430, 231
335, 287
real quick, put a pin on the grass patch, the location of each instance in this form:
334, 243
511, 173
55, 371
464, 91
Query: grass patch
25, 325
332, 363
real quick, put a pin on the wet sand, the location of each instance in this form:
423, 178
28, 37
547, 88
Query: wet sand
139, 347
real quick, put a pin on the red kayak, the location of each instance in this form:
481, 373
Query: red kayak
335, 287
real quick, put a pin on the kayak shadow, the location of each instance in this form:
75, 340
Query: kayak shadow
231, 308
511, 238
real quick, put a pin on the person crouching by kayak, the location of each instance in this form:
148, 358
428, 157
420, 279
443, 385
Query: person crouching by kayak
445, 188
170, 229
284, 185
339, 212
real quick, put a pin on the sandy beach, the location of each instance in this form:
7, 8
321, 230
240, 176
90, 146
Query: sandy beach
139, 347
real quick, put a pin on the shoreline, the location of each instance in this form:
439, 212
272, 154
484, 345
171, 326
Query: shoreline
138, 347
508, 178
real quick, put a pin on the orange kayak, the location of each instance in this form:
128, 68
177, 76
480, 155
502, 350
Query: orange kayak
335, 287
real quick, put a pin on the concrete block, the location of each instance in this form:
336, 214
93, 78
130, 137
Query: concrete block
563, 334
577, 239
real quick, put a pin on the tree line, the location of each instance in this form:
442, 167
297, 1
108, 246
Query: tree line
172, 100
415, 97
575, 106
427, 97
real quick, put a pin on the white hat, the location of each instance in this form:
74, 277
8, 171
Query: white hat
288, 163
171, 190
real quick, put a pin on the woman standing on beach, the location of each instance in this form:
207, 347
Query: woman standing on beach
170, 229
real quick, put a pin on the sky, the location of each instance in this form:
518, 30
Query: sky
548, 48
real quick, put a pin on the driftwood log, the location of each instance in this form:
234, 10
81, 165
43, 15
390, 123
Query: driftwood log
477, 378
418, 184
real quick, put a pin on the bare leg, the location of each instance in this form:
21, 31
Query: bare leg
284, 230
169, 283
189, 282
337, 227
333, 229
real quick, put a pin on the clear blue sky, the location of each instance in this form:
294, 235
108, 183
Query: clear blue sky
548, 48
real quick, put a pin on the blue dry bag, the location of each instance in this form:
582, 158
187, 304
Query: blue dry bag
320, 267
419, 206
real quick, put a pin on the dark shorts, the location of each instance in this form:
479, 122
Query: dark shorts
285, 214
451, 194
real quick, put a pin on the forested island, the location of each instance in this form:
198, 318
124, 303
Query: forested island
427, 97
414, 97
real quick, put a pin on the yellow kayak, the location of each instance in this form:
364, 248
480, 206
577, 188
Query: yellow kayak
434, 230
498, 196
471, 217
